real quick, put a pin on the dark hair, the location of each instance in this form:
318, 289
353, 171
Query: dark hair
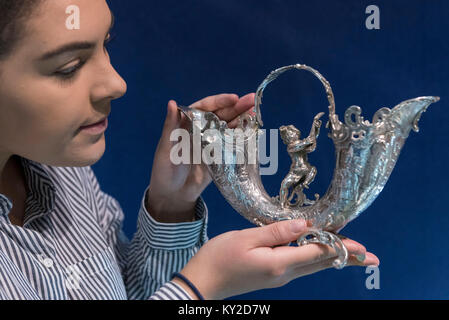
13, 13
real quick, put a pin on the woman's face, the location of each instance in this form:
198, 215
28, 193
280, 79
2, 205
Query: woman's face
45, 98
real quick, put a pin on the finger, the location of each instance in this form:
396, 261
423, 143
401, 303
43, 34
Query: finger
370, 259
299, 271
314, 252
172, 122
353, 246
233, 123
216, 102
276, 233
232, 111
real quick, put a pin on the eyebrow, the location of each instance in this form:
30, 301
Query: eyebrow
79, 45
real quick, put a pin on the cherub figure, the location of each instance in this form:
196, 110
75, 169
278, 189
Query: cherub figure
301, 173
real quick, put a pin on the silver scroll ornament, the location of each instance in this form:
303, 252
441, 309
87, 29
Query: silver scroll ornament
366, 153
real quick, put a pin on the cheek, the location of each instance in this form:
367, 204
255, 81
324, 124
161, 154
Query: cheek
44, 114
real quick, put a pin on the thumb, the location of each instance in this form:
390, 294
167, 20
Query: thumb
278, 233
173, 118
172, 122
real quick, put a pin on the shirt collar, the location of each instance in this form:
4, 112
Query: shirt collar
41, 192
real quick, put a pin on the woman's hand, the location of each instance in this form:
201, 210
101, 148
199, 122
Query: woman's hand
242, 261
174, 189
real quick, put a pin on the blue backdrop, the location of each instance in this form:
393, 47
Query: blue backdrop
186, 50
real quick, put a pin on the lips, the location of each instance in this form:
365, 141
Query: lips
95, 128
94, 124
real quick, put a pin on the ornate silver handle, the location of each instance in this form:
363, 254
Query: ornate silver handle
276, 73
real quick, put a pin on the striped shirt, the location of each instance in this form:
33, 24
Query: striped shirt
72, 246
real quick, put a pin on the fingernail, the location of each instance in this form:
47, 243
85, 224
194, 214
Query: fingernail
361, 257
297, 225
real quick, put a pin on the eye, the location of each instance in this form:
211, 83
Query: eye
69, 72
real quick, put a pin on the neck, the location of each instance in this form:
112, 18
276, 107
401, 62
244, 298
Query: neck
4, 158
13, 185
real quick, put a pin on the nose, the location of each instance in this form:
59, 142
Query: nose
108, 85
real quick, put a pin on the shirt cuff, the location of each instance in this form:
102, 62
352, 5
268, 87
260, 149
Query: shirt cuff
171, 291
172, 236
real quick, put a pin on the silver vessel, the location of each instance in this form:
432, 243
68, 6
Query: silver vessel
366, 153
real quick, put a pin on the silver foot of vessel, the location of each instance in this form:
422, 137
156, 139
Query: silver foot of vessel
330, 239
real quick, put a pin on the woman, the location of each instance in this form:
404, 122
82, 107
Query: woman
60, 235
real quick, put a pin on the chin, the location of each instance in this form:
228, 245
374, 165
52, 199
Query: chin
95, 152
87, 155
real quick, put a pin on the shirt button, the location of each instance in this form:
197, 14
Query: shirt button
48, 262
